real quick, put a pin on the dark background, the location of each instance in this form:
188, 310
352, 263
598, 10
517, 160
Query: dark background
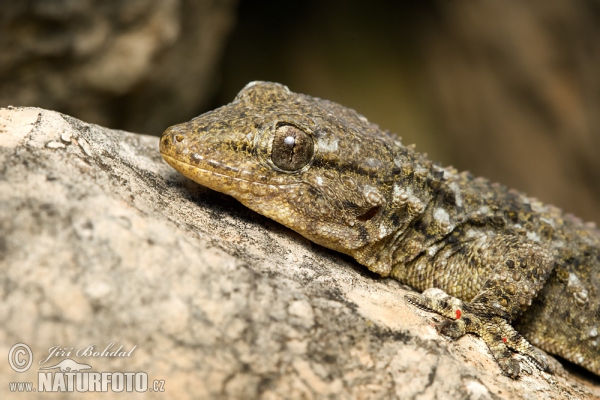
507, 89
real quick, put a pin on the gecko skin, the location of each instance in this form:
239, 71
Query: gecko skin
486, 257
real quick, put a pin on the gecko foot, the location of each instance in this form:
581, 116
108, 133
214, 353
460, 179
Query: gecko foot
500, 337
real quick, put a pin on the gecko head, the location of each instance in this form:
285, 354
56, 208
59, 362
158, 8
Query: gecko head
312, 165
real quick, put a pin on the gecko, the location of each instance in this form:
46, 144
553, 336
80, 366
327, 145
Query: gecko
491, 260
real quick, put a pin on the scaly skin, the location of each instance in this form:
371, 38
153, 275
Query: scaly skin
495, 256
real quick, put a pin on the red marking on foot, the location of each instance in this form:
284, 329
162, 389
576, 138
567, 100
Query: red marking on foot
504, 339
458, 314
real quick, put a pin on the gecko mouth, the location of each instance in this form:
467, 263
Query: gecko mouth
196, 174
245, 190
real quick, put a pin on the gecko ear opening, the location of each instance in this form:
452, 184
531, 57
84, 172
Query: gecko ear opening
369, 214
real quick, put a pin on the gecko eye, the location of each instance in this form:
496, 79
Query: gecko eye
292, 148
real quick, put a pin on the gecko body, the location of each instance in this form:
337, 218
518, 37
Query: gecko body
495, 262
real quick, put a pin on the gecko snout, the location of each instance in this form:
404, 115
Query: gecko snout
172, 137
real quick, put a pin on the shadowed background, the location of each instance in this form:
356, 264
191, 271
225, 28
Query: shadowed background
509, 90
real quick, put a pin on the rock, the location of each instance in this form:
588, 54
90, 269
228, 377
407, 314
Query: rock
135, 63
101, 242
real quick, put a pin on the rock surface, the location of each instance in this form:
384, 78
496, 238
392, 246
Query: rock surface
136, 64
101, 242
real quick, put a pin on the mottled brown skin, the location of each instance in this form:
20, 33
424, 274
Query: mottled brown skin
494, 256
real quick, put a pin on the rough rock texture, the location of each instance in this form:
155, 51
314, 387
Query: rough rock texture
134, 63
101, 241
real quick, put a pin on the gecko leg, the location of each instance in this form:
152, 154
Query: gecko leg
465, 317
516, 269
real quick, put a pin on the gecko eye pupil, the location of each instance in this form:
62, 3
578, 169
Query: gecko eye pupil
292, 148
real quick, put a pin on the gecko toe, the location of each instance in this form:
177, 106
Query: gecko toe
419, 301
510, 367
452, 329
